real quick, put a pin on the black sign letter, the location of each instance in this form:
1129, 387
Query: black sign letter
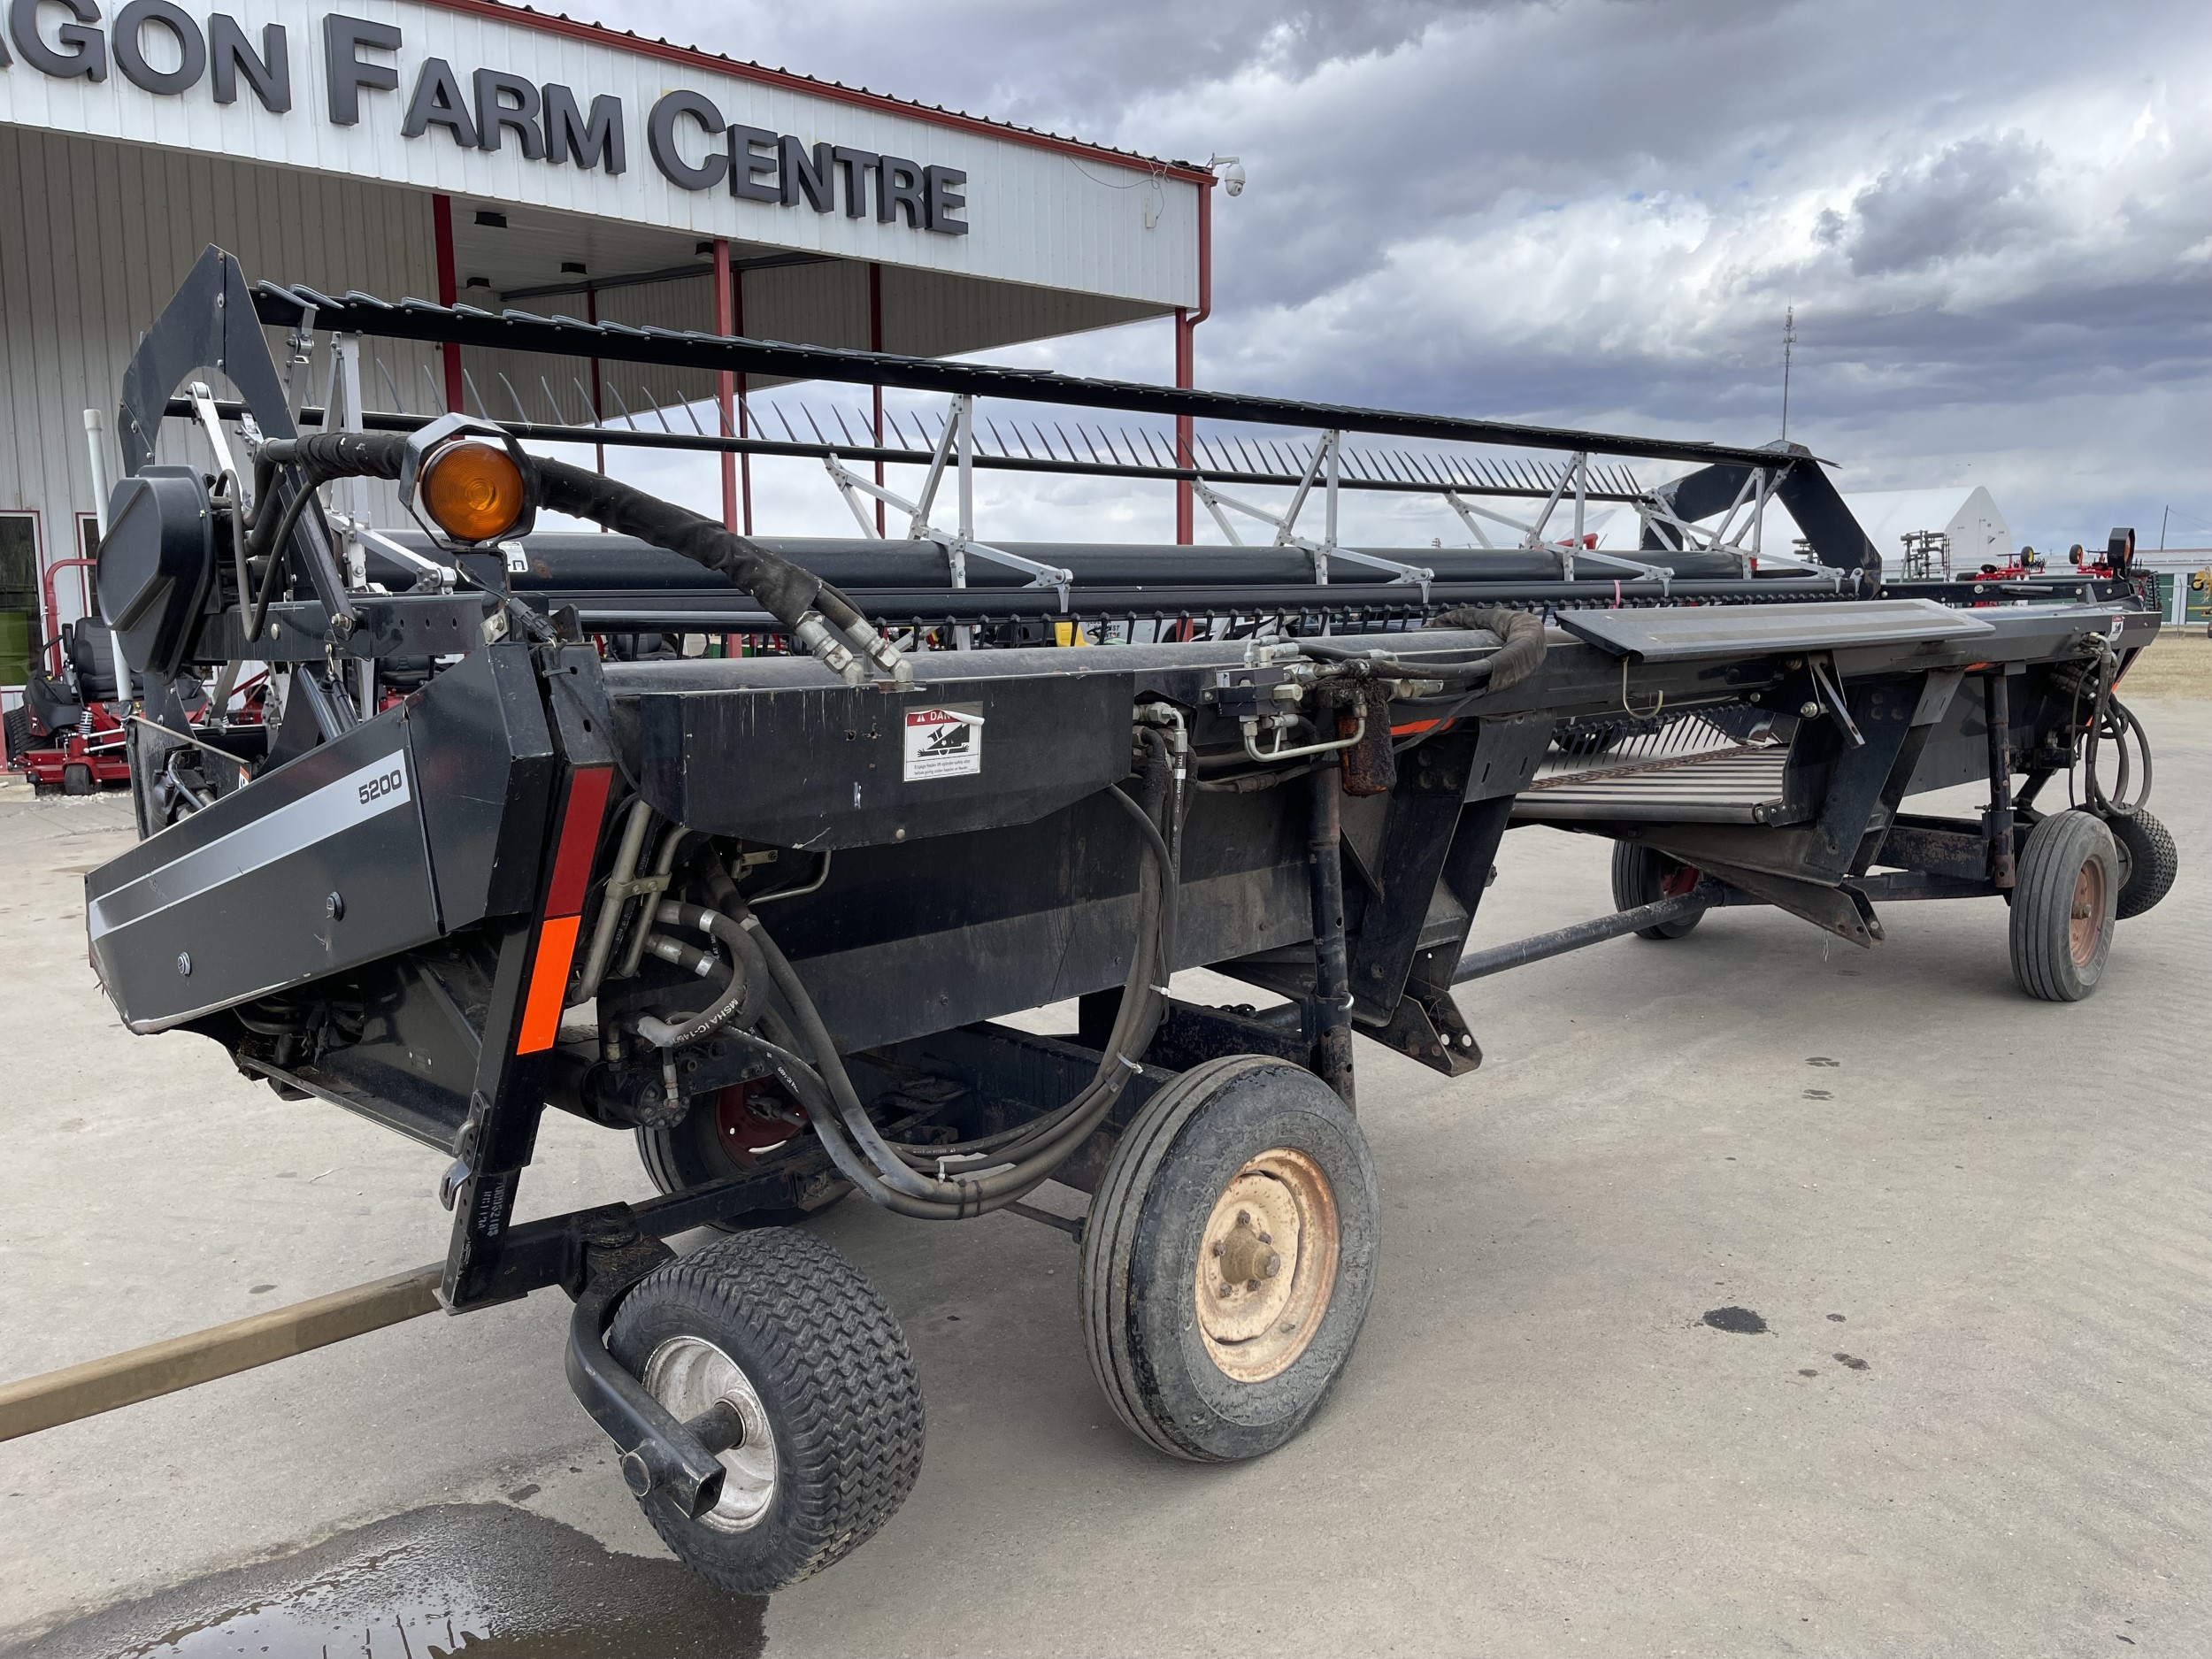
270, 74
130, 23
90, 57
660, 138
568, 135
437, 102
492, 112
343, 38
945, 201
816, 180
752, 159
854, 164
899, 185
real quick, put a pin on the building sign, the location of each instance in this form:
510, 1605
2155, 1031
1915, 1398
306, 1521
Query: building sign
471, 99
164, 52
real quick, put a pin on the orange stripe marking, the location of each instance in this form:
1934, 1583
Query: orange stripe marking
548, 984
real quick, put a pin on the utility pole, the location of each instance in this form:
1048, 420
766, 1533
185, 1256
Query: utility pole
1789, 344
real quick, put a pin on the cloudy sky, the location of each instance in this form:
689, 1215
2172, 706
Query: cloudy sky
1994, 220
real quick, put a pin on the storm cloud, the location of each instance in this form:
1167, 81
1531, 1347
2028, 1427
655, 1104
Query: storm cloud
1994, 220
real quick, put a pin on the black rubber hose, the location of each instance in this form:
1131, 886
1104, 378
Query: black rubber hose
271, 549
896, 1183
788, 590
1521, 640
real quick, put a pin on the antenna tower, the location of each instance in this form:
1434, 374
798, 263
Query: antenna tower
1789, 345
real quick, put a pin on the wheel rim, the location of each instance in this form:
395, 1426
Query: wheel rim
1677, 880
687, 1374
1267, 1263
2085, 930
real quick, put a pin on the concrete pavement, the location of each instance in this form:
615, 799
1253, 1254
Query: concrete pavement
1977, 1421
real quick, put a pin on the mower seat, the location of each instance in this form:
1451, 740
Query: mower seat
51, 704
91, 649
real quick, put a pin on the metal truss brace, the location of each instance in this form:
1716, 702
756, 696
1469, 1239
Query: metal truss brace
1323, 469
956, 545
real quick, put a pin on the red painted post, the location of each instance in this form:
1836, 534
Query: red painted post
875, 344
449, 291
726, 382
1185, 362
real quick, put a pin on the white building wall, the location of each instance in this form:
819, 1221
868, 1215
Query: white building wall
95, 238
1039, 215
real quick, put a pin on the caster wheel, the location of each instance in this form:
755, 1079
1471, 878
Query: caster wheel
788, 1332
2152, 862
1229, 1258
1644, 875
2063, 907
76, 778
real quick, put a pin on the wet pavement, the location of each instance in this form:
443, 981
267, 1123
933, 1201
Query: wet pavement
484, 1581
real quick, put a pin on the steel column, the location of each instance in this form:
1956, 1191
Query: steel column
449, 291
725, 382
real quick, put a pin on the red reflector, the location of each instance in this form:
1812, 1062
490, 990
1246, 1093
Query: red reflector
548, 984
580, 839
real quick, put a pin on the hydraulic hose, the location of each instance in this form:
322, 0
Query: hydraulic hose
740, 1000
801, 601
886, 1171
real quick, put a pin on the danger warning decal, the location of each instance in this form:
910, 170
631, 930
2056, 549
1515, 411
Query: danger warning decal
944, 742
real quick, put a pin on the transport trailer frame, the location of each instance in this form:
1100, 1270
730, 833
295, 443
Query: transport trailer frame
764, 912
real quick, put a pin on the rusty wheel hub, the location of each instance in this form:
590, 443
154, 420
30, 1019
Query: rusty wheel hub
1266, 1264
2086, 927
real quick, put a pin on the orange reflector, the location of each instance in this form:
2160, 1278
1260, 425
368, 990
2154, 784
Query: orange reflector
471, 490
548, 984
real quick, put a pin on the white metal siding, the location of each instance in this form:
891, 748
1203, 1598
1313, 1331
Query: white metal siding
1039, 216
95, 238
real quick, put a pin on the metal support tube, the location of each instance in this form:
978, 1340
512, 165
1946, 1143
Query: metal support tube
1332, 965
1997, 821
1480, 965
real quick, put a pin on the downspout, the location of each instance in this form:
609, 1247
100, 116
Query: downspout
1186, 361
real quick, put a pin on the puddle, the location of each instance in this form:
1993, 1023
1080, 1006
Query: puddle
483, 1580
1739, 1321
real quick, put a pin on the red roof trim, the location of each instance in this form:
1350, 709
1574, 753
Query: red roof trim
599, 35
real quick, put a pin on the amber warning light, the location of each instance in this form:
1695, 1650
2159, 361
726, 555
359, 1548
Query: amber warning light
465, 482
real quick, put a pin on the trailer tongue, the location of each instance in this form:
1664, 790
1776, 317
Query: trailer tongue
764, 912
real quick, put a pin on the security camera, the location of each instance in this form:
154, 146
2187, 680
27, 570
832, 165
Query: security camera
1231, 171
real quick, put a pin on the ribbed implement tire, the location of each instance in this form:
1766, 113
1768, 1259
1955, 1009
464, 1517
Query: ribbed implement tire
2045, 959
1136, 1292
1639, 877
18, 722
2152, 859
820, 1346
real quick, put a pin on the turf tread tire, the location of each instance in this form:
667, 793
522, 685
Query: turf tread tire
821, 1346
2043, 906
2152, 858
